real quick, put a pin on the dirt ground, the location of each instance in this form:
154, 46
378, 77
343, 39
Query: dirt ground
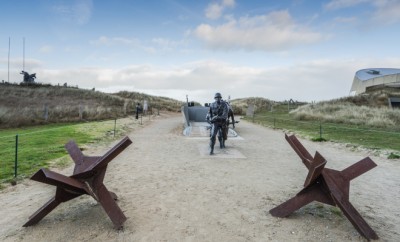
171, 190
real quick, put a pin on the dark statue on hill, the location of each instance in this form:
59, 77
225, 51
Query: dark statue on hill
28, 78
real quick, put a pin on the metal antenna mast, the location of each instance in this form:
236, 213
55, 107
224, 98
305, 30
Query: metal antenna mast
23, 54
9, 47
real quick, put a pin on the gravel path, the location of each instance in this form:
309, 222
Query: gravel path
171, 190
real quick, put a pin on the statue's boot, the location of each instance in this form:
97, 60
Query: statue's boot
212, 143
221, 142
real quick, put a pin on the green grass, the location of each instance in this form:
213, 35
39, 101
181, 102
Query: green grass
336, 211
322, 210
393, 156
37, 146
372, 138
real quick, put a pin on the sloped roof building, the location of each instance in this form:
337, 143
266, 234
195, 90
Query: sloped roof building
368, 78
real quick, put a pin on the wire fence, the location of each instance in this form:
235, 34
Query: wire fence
320, 131
25, 152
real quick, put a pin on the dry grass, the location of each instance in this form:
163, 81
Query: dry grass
260, 104
240, 105
349, 114
26, 105
164, 103
368, 109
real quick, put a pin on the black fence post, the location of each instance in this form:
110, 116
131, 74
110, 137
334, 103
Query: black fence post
115, 126
320, 130
16, 157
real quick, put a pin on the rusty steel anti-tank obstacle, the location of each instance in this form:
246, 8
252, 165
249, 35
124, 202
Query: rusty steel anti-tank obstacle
327, 186
87, 179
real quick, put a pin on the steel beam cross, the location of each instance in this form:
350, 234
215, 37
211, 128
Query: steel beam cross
327, 186
87, 179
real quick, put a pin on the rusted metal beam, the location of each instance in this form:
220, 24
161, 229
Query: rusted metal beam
87, 179
327, 186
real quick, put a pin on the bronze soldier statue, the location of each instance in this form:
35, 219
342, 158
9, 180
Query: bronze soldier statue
217, 116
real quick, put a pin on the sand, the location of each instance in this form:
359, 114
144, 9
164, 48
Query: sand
171, 190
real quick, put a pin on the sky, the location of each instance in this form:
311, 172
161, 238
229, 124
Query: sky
305, 50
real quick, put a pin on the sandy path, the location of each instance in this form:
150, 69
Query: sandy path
171, 191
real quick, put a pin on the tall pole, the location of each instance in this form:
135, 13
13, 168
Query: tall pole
9, 47
23, 54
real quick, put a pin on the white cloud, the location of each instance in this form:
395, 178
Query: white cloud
107, 41
383, 12
345, 20
154, 46
46, 49
78, 11
228, 3
214, 10
316, 80
387, 11
275, 31
167, 44
338, 4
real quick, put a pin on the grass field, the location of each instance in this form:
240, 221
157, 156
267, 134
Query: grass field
37, 146
355, 135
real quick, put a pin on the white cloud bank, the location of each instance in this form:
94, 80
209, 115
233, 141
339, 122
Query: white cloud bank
309, 81
275, 31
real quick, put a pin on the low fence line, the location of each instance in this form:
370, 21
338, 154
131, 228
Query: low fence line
20, 157
385, 140
332, 125
55, 128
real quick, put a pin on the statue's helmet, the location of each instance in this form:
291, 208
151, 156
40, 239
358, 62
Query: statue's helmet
217, 95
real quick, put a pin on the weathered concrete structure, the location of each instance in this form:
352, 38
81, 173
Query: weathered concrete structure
194, 118
368, 78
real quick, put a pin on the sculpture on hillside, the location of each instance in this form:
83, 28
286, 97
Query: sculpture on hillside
28, 78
